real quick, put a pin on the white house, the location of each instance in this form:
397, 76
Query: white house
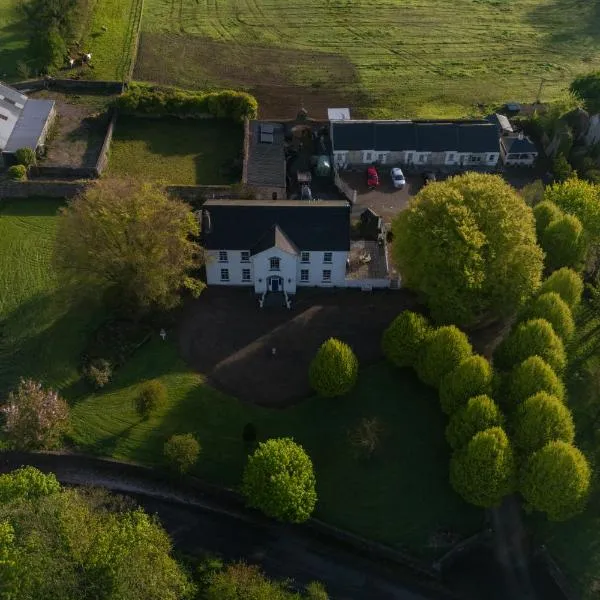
417, 144
518, 150
276, 245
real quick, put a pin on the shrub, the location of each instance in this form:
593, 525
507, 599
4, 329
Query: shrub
545, 212
25, 157
567, 284
99, 373
541, 419
531, 338
478, 414
483, 471
472, 377
366, 436
334, 369
564, 243
556, 480
182, 451
551, 307
403, 340
444, 350
152, 397
561, 168
279, 480
533, 375
17, 173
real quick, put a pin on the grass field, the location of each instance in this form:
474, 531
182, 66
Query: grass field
12, 39
420, 58
177, 151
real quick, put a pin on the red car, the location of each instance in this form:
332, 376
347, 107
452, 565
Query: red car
372, 178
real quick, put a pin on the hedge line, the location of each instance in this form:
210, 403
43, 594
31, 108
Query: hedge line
162, 101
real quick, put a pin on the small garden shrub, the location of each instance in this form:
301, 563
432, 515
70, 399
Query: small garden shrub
403, 340
551, 307
17, 173
182, 451
444, 350
472, 377
99, 373
533, 375
541, 419
478, 414
334, 369
567, 284
366, 436
25, 157
152, 397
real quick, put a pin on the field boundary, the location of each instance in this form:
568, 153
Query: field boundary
132, 42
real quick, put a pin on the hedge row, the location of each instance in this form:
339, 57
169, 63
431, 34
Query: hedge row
163, 101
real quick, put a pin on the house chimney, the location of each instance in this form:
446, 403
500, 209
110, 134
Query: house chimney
206, 222
520, 136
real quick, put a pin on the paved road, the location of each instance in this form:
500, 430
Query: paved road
197, 524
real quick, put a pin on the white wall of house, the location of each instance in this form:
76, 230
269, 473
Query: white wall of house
263, 271
233, 267
520, 160
312, 273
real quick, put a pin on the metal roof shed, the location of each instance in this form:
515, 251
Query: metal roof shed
31, 126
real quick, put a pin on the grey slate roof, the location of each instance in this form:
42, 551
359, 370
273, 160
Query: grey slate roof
514, 145
422, 136
29, 127
299, 225
265, 161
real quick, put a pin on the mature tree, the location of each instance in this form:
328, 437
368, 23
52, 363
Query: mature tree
478, 414
531, 338
334, 369
483, 471
562, 169
564, 243
151, 398
539, 420
444, 350
129, 238
556, 480
72, 544
279, 480
533, 375
544, 213
468, 245
555, 310
567, 284
34, 418
587, 88
182, 451
403, 340
533, 193
472, 377
27, 483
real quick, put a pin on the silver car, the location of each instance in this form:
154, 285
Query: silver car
398, 178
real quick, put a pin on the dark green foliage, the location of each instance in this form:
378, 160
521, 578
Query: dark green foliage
472, 377
545, 212
561, 168
531, 338
154, 100
533, 375
17, 173
541, 419
483, 471
567, 284
25, 157
403, 340
556, 480
564, 243
480, 413
334, 369
152, 397
555, 310
279, 480
587, 88
444, 350
182, 451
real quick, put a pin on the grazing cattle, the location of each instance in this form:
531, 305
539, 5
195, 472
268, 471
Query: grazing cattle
87, 57
71, 62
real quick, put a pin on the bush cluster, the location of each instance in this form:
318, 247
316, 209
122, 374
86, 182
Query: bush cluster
478, 414
181, 452
17, 173
162, 101
551, 307
152, 397
404, 339
334, 369
472, 377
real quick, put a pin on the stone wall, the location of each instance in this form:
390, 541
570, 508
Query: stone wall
70, 85
48, 189
102, 161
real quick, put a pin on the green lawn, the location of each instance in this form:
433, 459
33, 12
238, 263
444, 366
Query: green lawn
177, 151
13, 39
419, 58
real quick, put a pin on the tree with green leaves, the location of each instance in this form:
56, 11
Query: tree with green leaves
468, 245
279, 480
334, 369
562, 169
587, 88
403, 340
27, 483
544, 213
533, 375
444, 350
483, 471
534, 337
555, 310
564, 243
151, 398
182, 451
478, 414
567, 284
541, 419
131, 239
34, 418
472, 377
556, 480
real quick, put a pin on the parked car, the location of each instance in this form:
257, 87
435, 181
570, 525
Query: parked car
428, 177
398, 178
372, 178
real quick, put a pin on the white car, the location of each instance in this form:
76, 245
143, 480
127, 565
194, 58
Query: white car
398, 178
